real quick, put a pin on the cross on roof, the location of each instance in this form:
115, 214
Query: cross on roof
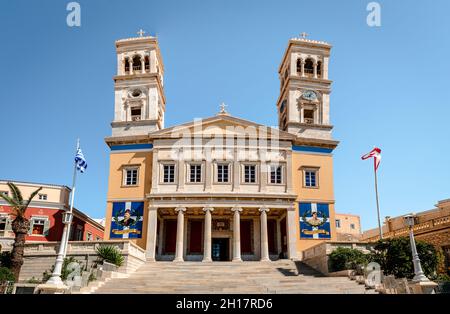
222, 108
141, 32
304, 35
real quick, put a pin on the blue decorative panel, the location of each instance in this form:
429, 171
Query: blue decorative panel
314, 221
131, 147
127, 218
311, 149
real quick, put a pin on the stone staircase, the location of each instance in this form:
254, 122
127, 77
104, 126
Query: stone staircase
283, 276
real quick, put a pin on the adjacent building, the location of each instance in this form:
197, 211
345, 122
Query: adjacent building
45, 214
222, 187
348, 227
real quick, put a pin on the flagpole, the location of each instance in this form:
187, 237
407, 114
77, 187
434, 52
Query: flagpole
376, 196
56, 275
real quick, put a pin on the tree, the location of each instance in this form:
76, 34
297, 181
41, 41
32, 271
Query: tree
395, 257
20, 225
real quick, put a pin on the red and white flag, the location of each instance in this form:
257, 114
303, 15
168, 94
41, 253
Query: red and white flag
376, 154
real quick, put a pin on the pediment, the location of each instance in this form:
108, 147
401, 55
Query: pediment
221, 125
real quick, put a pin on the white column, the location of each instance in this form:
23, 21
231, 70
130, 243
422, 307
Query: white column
207, 235
291, 233
302, 72
142, 64
152, 224
130, 62
264, 236
315, 69
237, 234
180, 235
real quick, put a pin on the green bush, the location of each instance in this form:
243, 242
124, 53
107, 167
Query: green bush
110, 254
346, 258
395, 257
6, 275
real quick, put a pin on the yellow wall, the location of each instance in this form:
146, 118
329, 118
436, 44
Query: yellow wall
119, 193
324, 193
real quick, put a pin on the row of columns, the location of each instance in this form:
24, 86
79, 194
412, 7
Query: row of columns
130, 62
302, 68
208, 238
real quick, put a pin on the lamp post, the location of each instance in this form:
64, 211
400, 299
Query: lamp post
56, 275
419, 276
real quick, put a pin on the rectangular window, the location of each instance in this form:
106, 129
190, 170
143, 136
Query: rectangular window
250, 173
38, 226
276, 174
169, 173
308, 116
131, 176
135, 114
79, 233
310, 178
338, 223
89, 236
3, 225
43, 197
195, 175
222, 173
352, 226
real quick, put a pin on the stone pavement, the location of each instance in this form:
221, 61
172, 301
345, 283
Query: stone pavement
283, 276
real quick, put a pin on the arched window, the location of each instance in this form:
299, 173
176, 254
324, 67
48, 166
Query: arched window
127, 65
309, 66
147, 63
299, 65
319, 69
136, 63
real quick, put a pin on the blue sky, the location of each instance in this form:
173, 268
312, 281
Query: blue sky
390, 86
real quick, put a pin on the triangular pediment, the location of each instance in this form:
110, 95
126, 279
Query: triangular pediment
221, 125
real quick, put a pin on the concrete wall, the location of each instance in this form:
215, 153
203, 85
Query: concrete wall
40, 257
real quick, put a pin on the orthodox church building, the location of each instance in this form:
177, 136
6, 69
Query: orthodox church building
221, 188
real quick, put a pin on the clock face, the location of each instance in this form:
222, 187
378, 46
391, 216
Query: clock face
309, 95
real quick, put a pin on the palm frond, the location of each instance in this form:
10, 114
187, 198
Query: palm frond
9, 200
31, 198
17, 195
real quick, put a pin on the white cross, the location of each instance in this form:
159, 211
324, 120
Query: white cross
222, 108
141, 32
303, 35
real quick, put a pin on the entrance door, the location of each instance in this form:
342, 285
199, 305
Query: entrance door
220, 249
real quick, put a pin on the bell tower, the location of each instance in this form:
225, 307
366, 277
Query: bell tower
304, 101
138, 86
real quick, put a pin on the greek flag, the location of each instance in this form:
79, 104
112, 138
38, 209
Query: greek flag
80, 161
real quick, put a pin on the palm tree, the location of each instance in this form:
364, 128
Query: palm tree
20, 225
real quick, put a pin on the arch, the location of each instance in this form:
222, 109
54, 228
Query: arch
299, 65
309, 66
127, 66
319, 69
147, 63
137, 63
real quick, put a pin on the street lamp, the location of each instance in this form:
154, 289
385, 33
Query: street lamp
419, 276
